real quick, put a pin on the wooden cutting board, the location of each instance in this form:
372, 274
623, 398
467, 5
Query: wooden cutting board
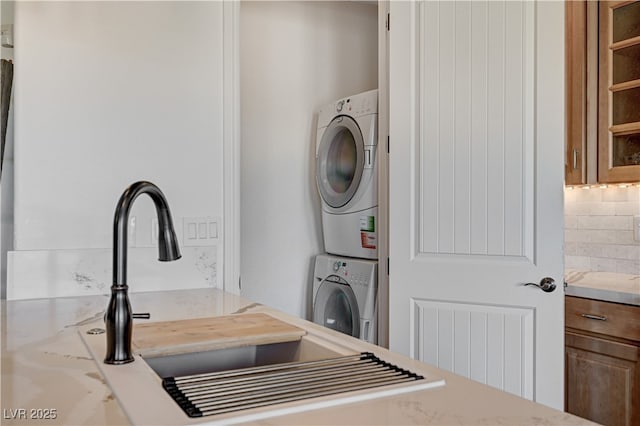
202, 334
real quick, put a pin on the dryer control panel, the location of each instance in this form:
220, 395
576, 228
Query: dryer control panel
354, 273
355, 106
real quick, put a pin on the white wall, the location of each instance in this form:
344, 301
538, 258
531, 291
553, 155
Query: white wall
108, 93
294, 58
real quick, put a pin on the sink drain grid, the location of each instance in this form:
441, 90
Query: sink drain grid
228, 391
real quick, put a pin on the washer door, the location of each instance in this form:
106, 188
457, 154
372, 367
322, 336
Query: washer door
340, 161
335, 306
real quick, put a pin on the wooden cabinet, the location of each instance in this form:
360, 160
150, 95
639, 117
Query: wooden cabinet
603, 92
601, 380
577, 53
602, 354
619, 92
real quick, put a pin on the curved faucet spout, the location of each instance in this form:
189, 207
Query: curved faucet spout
167, 241
119, 317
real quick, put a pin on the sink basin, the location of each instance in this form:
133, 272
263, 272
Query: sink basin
235, 358
245, 368
223, 381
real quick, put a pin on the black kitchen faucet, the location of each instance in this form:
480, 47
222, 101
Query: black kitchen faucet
119, 317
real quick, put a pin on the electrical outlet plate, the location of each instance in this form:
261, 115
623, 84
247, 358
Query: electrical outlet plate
6, 35
132, 233
154, 232
143, 232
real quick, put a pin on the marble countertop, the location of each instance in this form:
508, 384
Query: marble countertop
48, 372
607, 286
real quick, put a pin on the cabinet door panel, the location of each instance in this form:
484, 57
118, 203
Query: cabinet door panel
576, 71
601, 387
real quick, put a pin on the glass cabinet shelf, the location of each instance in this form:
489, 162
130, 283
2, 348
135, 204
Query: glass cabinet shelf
619, 92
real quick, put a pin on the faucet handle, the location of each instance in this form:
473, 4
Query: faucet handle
145, 315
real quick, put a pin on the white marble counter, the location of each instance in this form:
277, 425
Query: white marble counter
46, 366
607, 286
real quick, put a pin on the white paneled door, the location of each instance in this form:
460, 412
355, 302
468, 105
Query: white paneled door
476, 187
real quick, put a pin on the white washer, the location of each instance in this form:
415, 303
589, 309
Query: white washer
347, 175
344, 295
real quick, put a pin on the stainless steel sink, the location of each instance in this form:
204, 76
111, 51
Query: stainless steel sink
252, 380
224, 359
240, 378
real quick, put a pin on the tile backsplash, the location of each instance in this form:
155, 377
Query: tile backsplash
599, 229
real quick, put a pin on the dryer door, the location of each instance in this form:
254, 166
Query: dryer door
335, 306
340, 161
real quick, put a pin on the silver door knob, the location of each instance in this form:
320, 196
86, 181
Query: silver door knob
547, 284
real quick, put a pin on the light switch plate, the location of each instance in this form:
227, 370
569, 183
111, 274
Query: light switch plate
200, 231
636, 228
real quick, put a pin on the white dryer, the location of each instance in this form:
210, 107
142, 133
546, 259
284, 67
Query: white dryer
346, 175
344, 295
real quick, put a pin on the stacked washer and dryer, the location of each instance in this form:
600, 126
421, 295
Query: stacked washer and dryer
346, 277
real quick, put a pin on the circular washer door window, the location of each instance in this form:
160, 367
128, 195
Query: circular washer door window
340, 161
336, 307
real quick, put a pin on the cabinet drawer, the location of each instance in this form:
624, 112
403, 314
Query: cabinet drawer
612, 319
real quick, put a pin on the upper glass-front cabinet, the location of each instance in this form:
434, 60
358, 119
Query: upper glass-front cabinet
619, 92
603, 92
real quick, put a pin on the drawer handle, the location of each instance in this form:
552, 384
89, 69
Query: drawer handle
594, 317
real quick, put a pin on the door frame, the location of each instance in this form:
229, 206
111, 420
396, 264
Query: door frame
230, 263
383, 174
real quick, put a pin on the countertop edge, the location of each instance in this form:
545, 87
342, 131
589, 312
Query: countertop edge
603, 295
